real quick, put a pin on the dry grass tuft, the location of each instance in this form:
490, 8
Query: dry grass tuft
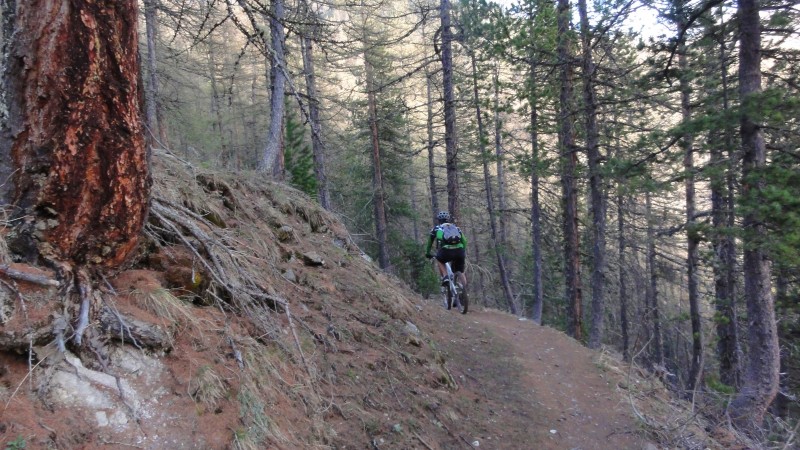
163, 304
259, 429
206, 387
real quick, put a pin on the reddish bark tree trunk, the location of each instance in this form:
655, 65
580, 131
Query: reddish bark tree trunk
763, 360
75, 133
378, 199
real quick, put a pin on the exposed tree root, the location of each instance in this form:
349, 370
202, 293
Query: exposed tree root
230, 271
134, 331
41, 280
86, 293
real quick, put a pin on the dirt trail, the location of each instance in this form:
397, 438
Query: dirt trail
525, 386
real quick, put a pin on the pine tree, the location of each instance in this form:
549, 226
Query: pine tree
299, 157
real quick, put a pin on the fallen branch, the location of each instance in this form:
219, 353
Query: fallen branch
422, 441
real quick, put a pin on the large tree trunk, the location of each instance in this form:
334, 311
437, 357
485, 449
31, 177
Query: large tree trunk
277, 89
450, 142
74, 133
568, 155
763, 360
595, 184
692, 236
317, 146
501, 267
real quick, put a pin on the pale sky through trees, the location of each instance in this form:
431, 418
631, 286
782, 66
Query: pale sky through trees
644, 20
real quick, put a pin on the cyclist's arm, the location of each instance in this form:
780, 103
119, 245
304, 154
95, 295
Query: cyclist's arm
464, 240
431, 238
430, 244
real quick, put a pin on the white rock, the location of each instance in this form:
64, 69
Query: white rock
119, 418
553, 431
411, 328
102, 419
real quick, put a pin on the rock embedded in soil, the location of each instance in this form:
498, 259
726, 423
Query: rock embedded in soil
312, 259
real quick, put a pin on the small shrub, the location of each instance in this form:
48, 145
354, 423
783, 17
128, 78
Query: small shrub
16, 444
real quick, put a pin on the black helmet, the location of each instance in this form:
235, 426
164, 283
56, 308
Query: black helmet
443, 216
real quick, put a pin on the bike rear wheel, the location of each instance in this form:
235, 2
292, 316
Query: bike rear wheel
461, 299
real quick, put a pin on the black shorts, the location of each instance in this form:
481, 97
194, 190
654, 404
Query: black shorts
455, 256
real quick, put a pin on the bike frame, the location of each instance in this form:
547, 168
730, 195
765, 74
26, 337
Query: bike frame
451, 280
452, 289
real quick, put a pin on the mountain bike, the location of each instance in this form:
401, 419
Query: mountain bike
452, 292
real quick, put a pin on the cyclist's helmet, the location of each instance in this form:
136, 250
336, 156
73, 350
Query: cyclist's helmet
443, 216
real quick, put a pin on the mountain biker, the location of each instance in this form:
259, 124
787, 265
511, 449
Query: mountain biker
449, 248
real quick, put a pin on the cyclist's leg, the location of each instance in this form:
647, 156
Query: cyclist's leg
440, 260
459, 257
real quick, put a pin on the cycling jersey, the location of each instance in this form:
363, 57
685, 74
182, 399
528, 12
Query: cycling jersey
436, 235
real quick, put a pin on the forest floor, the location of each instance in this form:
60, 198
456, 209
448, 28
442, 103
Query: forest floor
532, 386
329, 353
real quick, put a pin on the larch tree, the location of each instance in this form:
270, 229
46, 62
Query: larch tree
378, 199
692, 236
156, 128
430, 141
277, 76
722, 210
762, 366
597, 196
273, 48
307, 50
490, 205
568, 156
651, 292
450, 140
73, 138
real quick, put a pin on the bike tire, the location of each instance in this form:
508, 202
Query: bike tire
463, 304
